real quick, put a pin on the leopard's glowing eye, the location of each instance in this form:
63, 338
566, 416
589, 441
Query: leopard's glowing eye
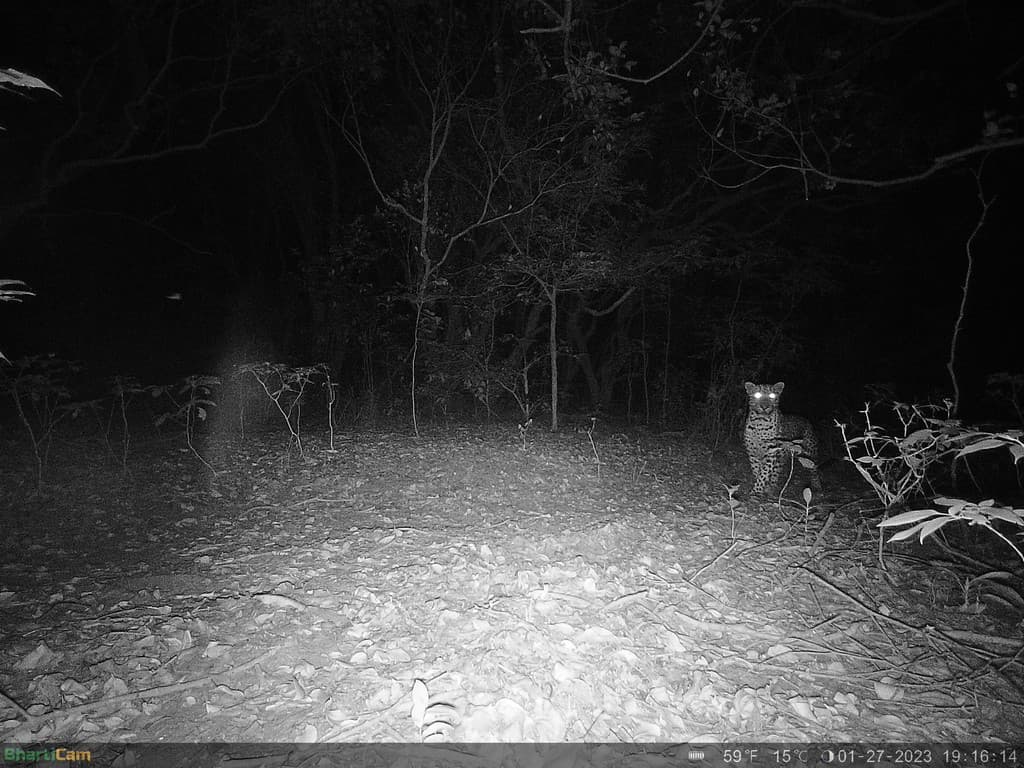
772, 395
757, 395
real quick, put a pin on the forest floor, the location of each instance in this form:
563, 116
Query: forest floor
466, 586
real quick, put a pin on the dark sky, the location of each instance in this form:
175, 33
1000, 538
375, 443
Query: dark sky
222, 225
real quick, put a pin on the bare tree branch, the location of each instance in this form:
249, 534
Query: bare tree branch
564, 19
876, 18
107, 132
683, 57
212, 134
615, 305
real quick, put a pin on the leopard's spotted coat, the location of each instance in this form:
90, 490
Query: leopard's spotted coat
766, 427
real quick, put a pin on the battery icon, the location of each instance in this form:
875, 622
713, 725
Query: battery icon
695, 754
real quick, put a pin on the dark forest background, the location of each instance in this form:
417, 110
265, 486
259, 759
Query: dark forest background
665, 199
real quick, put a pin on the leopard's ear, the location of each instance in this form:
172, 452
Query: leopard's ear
778, 387
749, 386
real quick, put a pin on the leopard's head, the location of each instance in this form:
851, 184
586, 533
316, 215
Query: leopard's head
764, 398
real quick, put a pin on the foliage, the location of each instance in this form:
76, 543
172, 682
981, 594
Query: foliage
12, 290
286, 386
600, 162
15, 290
896, 465
12, 79
39, 390
798, 450
925, 522
191, 399
493, 169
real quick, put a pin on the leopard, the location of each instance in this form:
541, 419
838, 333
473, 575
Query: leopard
766, 427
